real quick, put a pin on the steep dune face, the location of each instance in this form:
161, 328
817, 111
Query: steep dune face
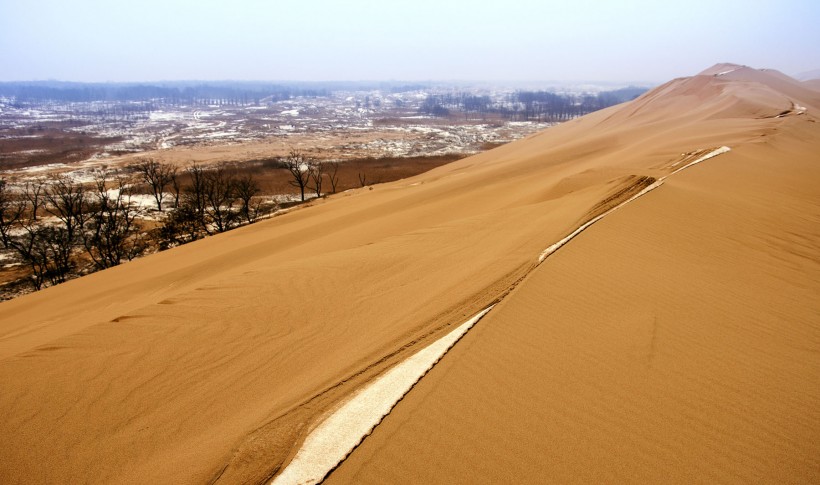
211, 361
675, 341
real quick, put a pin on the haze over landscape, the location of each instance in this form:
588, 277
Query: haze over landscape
596, 261
522, 40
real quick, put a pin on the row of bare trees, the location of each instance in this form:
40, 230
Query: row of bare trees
212, 201
199, 201
97, 225
215, 200
306, 171
527, 105
60, 227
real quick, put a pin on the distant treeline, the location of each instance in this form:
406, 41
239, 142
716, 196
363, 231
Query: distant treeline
528, 105
239, 94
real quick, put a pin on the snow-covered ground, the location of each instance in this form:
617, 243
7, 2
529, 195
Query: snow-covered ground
167, 126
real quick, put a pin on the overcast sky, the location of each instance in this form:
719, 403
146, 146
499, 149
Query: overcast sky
528, 40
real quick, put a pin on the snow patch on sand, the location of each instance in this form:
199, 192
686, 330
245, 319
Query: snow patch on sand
709, 155
727, 72
343, 429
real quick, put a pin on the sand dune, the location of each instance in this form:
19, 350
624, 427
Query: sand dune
677, 337
674, 341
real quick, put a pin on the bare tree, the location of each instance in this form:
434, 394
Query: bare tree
26, 245
56, 248
297, 165
11, 210
219, 198
187, 222
47, 250
66, 200
175, 186
333, 175
194, 196
33, 192
362, 179
246, 188
157, 175
53, 246
182, 226
316, 171
112, 233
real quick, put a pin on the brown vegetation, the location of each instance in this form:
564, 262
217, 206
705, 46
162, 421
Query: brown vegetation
46, 143
274, 178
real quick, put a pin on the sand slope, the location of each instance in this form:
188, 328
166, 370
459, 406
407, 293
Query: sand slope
674, 341
211, 361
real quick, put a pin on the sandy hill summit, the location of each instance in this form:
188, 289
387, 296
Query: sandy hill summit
654, 268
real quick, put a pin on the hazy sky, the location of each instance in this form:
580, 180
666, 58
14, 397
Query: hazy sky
114, 40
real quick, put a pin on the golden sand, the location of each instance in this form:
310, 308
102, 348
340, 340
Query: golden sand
677, 339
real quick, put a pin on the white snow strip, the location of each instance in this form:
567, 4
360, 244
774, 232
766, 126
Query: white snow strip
727, 72
709, 155
335, 437
646, 190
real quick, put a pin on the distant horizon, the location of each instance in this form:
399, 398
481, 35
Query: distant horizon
455, 81
522, 41
471, 82
508, 83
